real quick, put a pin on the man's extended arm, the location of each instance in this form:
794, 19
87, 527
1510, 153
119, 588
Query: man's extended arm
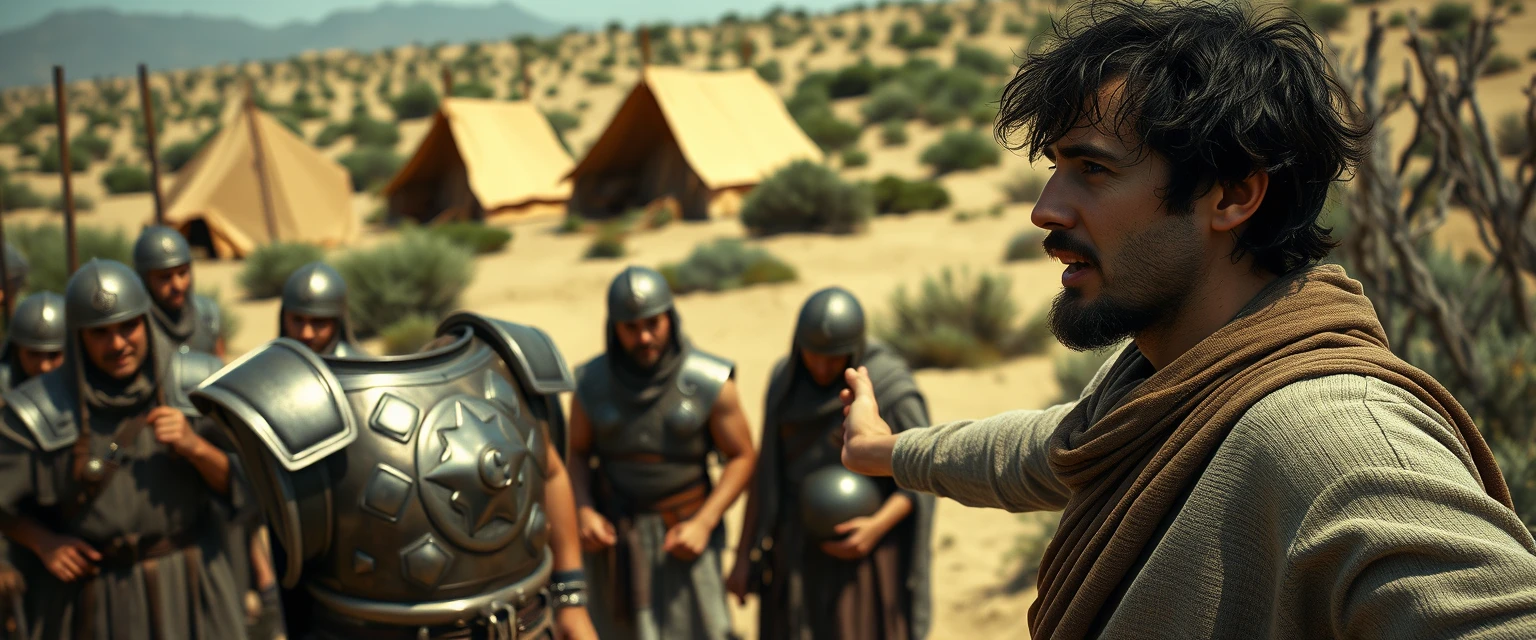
997, 462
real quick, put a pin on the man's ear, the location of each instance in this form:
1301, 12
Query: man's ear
1238, 201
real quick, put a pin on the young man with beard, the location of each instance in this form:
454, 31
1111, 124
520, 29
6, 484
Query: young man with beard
34, 346
164, 260
1256, 463
104, 478
646, 415
314, 311
869, 577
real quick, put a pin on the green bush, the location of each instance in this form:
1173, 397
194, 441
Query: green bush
1449, 16
48, 161
371, 166
90, 145
1023, 187
609, 242
854, 157
18, 195
1075, 369
571, 223
408, 335
597, 76
661, 217
1014, 27
1499, 64
891, 101
1025, 245
1397, 19
1511, 137
176, 156
827, 130
770, 72
562, 122
853, 80
806, 197
960, 150
960, 321
82, 202
983, 115
473, 90
43, 246
938, 21
367, 132
1325, 16
419, 100
268, 267
723, 264
893, 133
418, 274
892, 194
126, 179
475, 237
979, 60
331, 133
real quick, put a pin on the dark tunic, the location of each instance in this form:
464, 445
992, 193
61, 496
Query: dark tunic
155, 494
803, 592
14, 557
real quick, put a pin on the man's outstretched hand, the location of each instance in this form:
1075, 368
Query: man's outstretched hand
867, 439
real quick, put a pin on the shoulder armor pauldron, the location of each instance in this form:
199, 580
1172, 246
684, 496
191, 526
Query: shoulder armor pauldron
703, 375
207, 313
528, 351
47, 408
188, 370
288, 398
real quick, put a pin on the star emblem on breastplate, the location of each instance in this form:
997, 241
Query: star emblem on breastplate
480, 466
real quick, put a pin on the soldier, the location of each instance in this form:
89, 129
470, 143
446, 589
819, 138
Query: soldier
873, 581
104, 478
314, 311
647, 413
35, 346
16, 270
164, 261
416, 496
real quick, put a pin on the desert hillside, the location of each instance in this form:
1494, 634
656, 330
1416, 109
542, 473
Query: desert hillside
370, 110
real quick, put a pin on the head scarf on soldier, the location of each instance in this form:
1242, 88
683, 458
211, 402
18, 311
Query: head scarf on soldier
38, 325
635, 294
101, 293
16, 268
164, 248
318, 290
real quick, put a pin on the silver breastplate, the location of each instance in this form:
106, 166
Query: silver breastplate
413, 485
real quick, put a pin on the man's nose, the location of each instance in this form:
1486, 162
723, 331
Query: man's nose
1051, 209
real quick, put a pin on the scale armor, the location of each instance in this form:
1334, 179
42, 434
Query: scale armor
407, 490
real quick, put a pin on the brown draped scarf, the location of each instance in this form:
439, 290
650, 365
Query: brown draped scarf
1127, 469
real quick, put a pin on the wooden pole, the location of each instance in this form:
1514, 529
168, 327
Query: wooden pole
150, 147
747, 51
447, 81
522, 62
645, 47
64, 170
258, 162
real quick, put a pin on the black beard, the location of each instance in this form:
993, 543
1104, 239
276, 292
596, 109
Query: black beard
1152, 280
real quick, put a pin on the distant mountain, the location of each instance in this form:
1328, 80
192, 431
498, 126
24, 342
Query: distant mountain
107, 42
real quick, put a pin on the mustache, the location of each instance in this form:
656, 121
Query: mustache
1059, 241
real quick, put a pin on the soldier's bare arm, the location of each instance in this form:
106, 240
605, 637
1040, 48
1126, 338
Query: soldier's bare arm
595, 531
733, 438
174, 430
564, 542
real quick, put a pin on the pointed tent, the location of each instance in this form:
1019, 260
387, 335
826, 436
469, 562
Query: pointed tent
704, 138
254, 183
483, 157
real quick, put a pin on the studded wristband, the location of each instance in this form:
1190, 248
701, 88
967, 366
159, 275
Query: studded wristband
568, 589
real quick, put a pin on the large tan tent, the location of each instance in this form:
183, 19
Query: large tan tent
704, 138
256, 182
483, 157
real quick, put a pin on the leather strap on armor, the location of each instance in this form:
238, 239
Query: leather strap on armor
505, 624
92, 474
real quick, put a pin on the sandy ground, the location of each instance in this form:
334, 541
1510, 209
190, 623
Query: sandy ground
541, 279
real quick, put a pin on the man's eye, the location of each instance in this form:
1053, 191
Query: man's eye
1093, 167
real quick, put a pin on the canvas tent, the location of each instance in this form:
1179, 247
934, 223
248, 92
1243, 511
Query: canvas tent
483, 157
256, 182
701, 137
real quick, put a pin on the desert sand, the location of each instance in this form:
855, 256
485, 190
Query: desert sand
542, 279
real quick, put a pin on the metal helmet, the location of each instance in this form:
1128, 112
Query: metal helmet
832, 323
16, 267
316, 289
832, 495
39, 322
103, 292
638, 292
160, 248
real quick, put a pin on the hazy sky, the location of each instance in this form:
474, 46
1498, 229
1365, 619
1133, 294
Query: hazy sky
20, 13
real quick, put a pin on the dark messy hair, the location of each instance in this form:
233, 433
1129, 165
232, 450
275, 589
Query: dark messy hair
1219, 91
